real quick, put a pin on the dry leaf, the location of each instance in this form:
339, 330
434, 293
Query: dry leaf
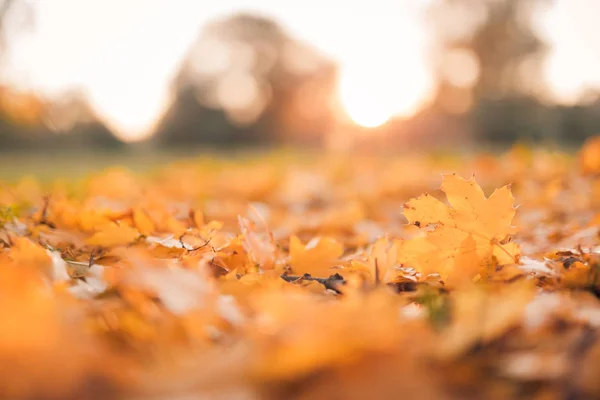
114, 235
27, 252
482, 314
143, 222
464, 237
589, 156
316, 257
382, 260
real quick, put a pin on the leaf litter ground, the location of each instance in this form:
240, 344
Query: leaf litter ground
329, 277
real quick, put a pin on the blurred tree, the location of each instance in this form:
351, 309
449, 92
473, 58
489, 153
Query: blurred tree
580, 121
29, 122
490, 45
71, 123
246, 81
489, 65
7, 127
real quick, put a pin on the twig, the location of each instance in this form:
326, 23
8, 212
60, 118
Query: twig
44, 213
186, 248
331, 283
206, 243
91, 261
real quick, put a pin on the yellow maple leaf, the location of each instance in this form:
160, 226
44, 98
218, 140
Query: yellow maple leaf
114, 235
316, 257
466, 236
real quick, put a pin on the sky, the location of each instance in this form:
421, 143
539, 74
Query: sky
123, 53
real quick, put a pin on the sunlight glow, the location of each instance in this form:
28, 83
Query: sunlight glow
130, 118
362, 100
127, 69
383, 73
378, 87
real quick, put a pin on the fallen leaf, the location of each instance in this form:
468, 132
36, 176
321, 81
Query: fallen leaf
143, 222
316, 257
114, 235
464, 237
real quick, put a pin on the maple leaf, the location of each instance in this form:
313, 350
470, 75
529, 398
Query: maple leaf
316, 257
467, 235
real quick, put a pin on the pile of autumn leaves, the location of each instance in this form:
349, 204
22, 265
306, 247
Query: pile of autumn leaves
318, 281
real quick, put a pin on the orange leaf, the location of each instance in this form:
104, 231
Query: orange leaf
382, 260
143, 222
198, 218
589, 156
26, 252
466, 236
92, 220
481, 315
316, 257
114, 235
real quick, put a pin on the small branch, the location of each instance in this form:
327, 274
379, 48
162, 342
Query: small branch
44, 213
206, 243
186, 248
91, 261
331, 283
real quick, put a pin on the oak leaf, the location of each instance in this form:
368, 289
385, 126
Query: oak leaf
461, 238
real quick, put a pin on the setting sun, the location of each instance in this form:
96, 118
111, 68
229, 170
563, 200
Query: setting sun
372, 94
362, 100
131, 117
383, 71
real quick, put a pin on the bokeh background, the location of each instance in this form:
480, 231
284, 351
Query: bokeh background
154, 76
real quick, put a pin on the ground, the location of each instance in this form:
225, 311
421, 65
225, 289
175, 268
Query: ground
278, 275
